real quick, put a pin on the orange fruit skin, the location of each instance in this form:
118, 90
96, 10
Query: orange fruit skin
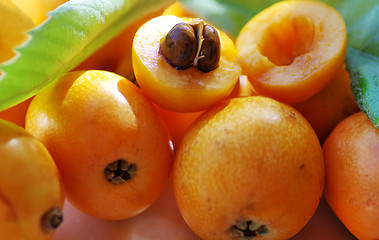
187, 90
250, 158
352, 175
30, 184
330, 106
89, 119
293, 49
16, 114
177, 122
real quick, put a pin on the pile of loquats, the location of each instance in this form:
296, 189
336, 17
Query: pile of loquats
234, 138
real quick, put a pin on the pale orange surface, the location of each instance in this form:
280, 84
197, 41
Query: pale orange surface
248, 159
89, 119
187, 90
29, 184
292, 49
352, 175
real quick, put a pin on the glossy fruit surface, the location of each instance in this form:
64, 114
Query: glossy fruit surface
248, 167
187, 90
112, 149
352, 175
293, 49
31, 194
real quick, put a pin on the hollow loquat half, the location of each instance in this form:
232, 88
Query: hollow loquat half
293, 49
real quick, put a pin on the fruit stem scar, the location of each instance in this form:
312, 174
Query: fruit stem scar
248, 230
119, 171
51, 219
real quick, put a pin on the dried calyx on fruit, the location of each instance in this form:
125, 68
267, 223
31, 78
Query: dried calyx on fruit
192, 44
120, 171
51, 219
247, 230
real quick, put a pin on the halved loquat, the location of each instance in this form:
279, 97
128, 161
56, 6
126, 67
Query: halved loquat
189, 89
292, 49
248, 167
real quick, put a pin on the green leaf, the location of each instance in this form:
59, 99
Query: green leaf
73, 32
362, 21
362, 58
364, 73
